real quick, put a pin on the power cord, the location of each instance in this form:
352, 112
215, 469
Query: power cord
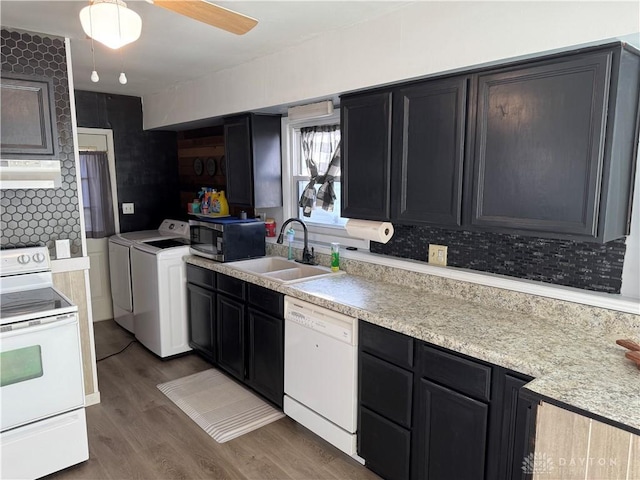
116, 353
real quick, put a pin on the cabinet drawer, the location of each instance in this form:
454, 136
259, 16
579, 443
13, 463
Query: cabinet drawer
265, 299
385, 446
201, 276
231, 286
384, 343
461, 374
386, 389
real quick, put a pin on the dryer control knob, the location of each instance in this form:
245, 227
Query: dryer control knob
24, 259
38, 258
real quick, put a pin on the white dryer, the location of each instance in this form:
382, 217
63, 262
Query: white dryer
160, 295
120, 265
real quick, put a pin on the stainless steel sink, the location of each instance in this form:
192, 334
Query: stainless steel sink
282, 270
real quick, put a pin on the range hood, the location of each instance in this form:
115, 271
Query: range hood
29, 174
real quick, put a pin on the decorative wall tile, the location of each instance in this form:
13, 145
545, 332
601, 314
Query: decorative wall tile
43, 215
590, 266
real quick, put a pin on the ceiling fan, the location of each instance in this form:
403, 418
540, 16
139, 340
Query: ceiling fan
209, 13
113, 24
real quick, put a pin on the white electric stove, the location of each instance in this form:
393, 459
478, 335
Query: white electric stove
42, 421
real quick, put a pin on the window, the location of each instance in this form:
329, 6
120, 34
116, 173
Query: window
322, 135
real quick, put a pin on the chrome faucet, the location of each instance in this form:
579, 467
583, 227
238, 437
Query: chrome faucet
307, 258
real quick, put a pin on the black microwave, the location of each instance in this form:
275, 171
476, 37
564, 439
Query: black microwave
226, 239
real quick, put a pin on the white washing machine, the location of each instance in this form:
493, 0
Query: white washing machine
159, 276
120, 265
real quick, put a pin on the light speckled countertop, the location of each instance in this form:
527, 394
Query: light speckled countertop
571, 365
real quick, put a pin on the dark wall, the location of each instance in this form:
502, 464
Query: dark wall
146, 161
44, 215
590, 266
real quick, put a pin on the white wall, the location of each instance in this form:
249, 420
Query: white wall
420, 39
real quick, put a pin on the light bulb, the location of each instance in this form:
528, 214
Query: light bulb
122, 79
94, 77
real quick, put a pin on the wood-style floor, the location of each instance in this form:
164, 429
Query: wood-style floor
137, 433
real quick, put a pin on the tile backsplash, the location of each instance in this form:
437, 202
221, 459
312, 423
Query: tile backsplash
589, 266
43, 215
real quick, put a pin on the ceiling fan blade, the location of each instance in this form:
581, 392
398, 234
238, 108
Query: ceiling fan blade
211, 14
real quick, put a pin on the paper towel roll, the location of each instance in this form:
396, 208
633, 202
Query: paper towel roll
369, 230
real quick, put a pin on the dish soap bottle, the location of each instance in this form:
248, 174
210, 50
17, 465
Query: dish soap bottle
290, 235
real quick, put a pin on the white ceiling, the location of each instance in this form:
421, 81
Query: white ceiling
173, 48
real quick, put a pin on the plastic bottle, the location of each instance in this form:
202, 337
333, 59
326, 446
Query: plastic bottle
335, 256
290, 236
224, 205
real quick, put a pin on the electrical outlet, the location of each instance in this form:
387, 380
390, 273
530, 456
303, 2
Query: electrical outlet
438, 255
127, 209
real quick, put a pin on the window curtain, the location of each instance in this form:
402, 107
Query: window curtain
96, 194
321, 152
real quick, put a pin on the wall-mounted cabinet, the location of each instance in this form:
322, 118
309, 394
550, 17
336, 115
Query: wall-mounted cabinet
29, 130
553, 147
253, 161
543, 147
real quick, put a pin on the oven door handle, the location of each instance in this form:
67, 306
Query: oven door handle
28, 327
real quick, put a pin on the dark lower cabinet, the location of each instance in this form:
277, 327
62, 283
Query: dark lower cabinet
202, 320
427, 413
451, 434
231, 352
265, 372
516, 439
239, 327
385, 445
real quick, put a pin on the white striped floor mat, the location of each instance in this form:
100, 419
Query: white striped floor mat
221, 407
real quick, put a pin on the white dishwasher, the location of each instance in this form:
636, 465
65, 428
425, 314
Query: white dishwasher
320, 372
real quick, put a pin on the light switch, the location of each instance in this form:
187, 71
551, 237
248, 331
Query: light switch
127, 208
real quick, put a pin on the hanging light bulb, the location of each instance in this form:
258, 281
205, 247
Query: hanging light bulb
122, 78
94, 75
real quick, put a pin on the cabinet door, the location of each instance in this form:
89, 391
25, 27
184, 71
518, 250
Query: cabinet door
538, 146
451, 433
366, 156
202, 320
385, 446
516, 431
386, 389
265, 372
428, 151
239, 161
230, 316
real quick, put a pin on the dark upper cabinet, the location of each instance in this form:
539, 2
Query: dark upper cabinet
555, 143
543, 147
253, 160
428, 152
403, 153
29, 130
366, 156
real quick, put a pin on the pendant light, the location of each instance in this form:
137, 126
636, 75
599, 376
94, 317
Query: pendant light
110, 22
